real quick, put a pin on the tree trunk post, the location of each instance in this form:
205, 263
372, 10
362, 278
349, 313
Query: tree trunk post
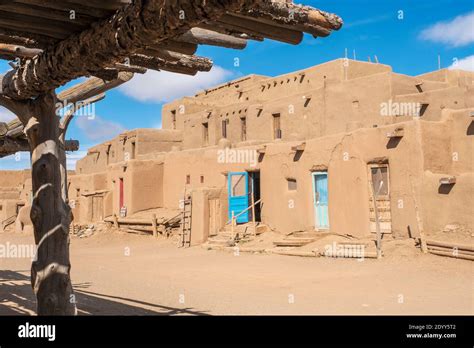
50, 212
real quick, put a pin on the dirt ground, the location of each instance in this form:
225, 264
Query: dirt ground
123, 274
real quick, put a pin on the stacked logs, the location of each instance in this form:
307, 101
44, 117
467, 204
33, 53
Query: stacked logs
458, 251
115, 36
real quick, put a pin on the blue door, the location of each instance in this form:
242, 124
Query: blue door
239, 195
320, 197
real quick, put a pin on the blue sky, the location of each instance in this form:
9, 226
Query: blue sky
409, 41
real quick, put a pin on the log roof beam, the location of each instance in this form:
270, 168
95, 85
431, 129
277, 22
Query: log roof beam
111, 41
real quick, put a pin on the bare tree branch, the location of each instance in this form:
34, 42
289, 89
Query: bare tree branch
67, 118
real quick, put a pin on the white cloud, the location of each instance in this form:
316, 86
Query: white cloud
456, 32
367, 21
73, 157
164, 86
98, 129
464, 64
6, 115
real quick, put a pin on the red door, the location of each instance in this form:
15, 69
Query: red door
121, 193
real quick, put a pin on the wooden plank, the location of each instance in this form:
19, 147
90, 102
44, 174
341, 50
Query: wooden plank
449, 245
188, 65
92, 87
450, 254
451, 250
261, 29
208, 37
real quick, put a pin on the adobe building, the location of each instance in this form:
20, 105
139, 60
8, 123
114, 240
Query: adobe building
311, 148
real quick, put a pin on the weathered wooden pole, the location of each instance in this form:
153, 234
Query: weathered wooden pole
50, 214
154, 227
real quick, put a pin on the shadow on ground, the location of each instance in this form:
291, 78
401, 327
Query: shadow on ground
17, 298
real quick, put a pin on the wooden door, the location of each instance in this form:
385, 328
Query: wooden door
214, 216
380, 186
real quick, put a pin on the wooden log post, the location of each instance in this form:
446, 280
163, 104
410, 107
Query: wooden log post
154, 227
50, 213
116, 223
253, 215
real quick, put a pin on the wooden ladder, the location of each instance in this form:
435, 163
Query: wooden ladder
7, 222
186, 221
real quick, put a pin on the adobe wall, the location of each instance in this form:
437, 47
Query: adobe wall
139, 143
14, 178
143, 186
335, 109
425, 147
81, 187
448, 152
13, 192
346, 158
330, 98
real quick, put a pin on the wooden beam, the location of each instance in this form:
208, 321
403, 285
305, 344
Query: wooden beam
175, 46
189, 65
130, 68
17, 40
19, 51
287, 13
107, 74
10, 146
261, 29
223, 29
92, 87
111, 41
208, 37
315, 30
48, 13
65, 6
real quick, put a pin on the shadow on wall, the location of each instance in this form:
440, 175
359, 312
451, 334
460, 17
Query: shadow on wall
17, 298
393, 143
470, 129
445, 189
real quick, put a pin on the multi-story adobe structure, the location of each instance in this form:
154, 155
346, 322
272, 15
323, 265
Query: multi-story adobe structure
311, 146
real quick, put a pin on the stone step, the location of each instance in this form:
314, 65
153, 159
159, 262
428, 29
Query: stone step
309, 234
221, 242
300, 253
293, 242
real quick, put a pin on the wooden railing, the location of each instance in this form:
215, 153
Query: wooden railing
233, 219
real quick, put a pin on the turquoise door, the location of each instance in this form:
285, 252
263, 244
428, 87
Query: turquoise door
320, 198
238, 190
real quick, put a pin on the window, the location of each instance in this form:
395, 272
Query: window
243, 129
238, 185
291, 184
173, 119
276, 126
18, 207
133, 150
225, 123
202, 179
205, 133
380, 180
188, 179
